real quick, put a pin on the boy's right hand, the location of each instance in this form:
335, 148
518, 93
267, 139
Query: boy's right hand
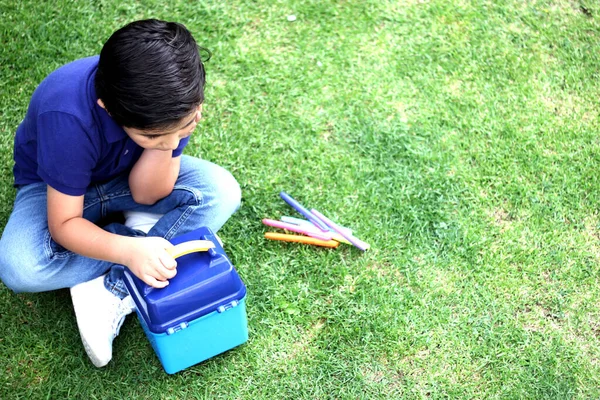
148, 259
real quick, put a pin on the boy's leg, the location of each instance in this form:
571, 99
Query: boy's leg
204, 194
30, 261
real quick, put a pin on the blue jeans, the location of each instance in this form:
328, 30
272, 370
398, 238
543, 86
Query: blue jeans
30, 261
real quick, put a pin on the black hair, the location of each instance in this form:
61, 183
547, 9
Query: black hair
150, 75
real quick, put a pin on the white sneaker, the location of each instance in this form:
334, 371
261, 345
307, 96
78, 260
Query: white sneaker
141, 221
100, 315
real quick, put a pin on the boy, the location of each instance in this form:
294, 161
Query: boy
105, 135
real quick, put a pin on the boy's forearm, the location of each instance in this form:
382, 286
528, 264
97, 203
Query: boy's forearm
153, 176
85, 238
146, 257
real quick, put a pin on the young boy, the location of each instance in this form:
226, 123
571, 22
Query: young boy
105, 135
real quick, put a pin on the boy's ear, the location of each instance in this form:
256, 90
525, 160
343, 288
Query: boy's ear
101, 104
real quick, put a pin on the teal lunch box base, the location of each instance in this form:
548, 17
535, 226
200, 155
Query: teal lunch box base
201, 313
202, 339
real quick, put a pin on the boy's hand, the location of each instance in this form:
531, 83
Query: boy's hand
148, 260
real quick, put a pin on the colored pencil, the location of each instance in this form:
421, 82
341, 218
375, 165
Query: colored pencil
307, 214
301, 222
301, 239
311, 230
354, 240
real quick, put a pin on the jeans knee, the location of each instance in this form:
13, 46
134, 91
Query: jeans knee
225, 193
215, 195
231, 193
20, 264
18, 277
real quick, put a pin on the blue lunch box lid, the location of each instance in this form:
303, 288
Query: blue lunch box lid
205, 282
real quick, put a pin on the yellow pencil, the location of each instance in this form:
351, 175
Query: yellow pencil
337, 237
301, 239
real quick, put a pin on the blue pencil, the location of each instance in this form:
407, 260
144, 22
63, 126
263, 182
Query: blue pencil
307, 214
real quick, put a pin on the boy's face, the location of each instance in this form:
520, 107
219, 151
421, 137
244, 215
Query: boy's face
166, 140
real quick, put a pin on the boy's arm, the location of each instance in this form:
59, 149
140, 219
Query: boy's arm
153, 176
146, 257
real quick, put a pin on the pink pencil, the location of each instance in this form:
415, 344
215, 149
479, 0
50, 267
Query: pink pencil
352, 239
298, 229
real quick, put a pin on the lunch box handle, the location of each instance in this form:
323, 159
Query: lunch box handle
191, 246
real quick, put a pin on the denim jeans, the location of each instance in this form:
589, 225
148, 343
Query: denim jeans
30, 261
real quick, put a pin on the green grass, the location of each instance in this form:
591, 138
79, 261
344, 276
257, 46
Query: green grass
459, 138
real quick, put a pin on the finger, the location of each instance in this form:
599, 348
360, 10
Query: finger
167, 260
164, 273
160, 273
165, 267
150, 280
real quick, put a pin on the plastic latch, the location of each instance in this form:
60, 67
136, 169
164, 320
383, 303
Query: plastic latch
227, 306
177, 328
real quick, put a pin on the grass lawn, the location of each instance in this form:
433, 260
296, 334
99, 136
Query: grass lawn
459, 138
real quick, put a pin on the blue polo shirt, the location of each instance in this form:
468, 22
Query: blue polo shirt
67, 140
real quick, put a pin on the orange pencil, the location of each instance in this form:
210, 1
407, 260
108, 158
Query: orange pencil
301, 239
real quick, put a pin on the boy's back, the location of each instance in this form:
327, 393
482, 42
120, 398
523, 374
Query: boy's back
66, 139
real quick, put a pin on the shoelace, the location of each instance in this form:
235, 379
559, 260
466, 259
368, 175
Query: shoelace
122, 311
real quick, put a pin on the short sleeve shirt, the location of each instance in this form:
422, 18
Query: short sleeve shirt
67, 140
